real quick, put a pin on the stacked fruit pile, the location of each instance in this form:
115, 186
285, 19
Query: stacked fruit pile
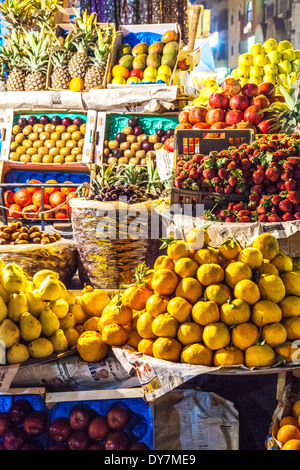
22, 427
210, 306
269, 62
27, 202
16, 234
233, 106
133, 145
35, 315
266, 173
47, 140
146, 63
288, 434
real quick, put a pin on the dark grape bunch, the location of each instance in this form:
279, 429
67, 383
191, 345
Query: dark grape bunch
133, 194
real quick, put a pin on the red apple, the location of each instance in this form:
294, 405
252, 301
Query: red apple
261, 101
137, 73
266, 88
79, 440
5, 422
138, 446
231, 86
250, 90
117, 418
254, 115
117, 440
197, 114
215, 115
60, 429
19, 409
80, 417
98, 428
218, 100
96, 447
14, 438
239, 102
234, 116
35, 423
59, 446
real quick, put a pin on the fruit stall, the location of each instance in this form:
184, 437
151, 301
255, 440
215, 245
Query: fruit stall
149, 242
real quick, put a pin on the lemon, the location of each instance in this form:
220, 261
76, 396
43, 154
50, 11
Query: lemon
197, 354
186, 267
282, 262
290, 306
150, 72
118, 80
229, 356
216, 336
267, 244
165, 325
163, 77
131, 80
271, 288
252, 257
164, 69
244, 335
264, 312
207, 255
274, 334
179, 308
189, 333
248, 291
219, 293
259, 355
236, 272
235, 312
190, 289
120, 71
205, 313
291, 282
210, 274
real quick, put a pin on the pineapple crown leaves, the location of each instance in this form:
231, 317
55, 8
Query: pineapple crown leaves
85, 28
287, 119
132, 174
61, 54
105, 177
43, 11
36, 54
16, 14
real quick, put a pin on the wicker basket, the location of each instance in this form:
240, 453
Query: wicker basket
60, 257
107, 261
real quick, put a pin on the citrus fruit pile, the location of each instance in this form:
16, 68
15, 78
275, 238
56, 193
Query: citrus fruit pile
288, 434
211, 306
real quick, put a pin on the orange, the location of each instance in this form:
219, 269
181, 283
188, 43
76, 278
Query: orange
287, 432
296, 409
180, 309
289, 351
164, 262
103, 321
120, 71
210, 273
289, 420
267, 244
292, 444
168, 349
259, 355
216, 336
197, 354
219, 293
165, 325
164, 282
136, 296
189, 333
114, 335
204, 312
144, 325
228, 356
133, 339
76, 84
91, 346
145, 346
189, 289
156, 305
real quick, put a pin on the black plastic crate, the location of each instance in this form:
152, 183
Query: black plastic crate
209, 200
191, 141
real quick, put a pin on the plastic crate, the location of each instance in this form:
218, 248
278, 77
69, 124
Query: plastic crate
191, 141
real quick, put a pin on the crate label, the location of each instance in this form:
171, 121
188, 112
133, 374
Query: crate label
100, 130
88, 147
164, 164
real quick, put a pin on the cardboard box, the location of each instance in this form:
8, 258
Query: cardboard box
121, 37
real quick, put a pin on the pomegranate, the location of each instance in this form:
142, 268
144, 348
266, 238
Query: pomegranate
215, 115
234, 116
266, 88
261, 101
197, 114
250, 90
254, 115
239, 102
183, 116
265, 126
218, 100
231, 86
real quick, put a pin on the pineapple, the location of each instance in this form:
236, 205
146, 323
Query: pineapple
95, 73
36, 56
43, 12
85, 30
60, 77
16, 14
11, 57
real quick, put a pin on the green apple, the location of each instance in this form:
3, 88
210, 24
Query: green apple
270, 45
270, 69
256, 71
284, 67
274, 57
288, 55
297, 54
283, 79
284, 45
243, 71
256, 49
296, 65
245, 59
260, 60
269, 78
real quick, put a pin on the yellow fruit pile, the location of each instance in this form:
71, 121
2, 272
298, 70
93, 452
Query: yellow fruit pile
39, 316
212, 306
288, 433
